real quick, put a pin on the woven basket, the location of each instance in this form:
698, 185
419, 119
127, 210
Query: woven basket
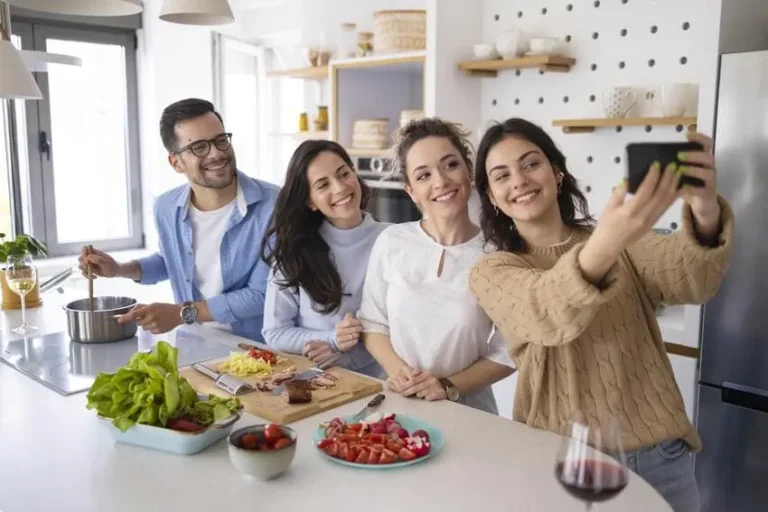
370, 134
399, 31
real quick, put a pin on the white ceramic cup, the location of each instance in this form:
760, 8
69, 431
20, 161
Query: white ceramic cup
508, 44
674, 99
543, 45
618, 100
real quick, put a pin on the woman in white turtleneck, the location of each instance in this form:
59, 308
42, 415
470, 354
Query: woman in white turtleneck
318, 245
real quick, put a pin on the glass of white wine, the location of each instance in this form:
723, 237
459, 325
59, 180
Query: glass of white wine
21, 276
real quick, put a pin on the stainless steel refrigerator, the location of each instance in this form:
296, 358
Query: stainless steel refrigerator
732, 411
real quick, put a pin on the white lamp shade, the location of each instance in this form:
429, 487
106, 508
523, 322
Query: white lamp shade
82, 7
197, 12
16, 81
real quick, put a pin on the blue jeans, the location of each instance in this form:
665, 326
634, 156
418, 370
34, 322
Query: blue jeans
668, 467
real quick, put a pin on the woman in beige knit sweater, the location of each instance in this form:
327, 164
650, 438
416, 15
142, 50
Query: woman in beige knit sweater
576, 300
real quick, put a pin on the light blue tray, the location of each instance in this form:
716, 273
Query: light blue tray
173, 441
409, 423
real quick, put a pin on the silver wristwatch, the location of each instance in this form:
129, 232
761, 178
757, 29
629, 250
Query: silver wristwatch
189, 313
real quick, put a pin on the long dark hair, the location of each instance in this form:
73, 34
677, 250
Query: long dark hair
292, 244
498, 229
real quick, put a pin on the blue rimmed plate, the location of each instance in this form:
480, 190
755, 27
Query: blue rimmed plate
409, 423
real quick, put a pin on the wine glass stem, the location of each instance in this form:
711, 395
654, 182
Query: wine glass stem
23, 309
589, 506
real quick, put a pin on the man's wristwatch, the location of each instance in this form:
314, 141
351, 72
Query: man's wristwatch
189, 313
451, 390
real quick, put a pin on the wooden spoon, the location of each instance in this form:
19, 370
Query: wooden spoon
89, 251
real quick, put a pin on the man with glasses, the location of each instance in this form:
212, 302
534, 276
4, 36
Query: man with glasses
210, 232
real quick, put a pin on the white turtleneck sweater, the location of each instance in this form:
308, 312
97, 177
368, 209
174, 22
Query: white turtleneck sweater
290, 321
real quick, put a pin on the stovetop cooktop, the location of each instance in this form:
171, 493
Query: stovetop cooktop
69, 367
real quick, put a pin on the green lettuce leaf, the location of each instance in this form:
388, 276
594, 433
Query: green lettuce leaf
148, 390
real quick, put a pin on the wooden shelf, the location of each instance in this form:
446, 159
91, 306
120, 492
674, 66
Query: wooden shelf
308, 73
491, 68
369, 153
375, 61
590, 125
302, 135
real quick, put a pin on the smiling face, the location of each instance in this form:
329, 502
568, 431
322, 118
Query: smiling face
218, 168
522, 182
438, 178
334, 190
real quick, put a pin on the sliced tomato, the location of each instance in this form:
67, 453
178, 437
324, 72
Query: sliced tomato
355, 427
376, 438
374, 457
324, 442
333, 449
394, 445
343, 451
352, 453
348, 438
406, 454
362, 456
387, 457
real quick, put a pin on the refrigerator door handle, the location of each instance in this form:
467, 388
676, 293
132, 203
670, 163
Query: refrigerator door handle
745, 396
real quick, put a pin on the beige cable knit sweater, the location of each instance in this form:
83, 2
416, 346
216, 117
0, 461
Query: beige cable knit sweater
589, 353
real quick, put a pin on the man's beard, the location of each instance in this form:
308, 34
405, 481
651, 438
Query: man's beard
204, 178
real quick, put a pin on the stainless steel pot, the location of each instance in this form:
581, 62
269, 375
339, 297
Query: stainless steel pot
99, 325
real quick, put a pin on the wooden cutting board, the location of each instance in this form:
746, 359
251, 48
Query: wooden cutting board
350, 386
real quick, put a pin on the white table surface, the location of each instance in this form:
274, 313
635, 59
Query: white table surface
56, 456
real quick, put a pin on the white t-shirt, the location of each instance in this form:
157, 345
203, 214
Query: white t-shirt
208, 230
433, 322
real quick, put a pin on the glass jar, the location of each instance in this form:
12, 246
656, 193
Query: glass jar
322, 115
364, 44
303, 122
347, 47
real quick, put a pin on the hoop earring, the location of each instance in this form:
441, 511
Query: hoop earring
496, 209
559, 187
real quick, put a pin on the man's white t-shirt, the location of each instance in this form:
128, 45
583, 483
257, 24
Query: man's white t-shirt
208, 230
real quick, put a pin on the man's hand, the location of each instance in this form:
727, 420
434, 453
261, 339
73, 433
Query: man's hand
156, 318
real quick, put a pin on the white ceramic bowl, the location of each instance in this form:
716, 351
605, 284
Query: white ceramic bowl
543, 45
485, 51
261, 465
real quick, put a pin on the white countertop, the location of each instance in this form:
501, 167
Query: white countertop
56, 456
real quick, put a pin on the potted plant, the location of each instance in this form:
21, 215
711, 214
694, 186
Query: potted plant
22, 244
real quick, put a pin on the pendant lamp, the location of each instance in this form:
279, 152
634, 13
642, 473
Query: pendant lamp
197, 12
16, 82
82, 7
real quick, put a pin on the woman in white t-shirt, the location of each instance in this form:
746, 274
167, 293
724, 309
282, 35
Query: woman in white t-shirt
419, 318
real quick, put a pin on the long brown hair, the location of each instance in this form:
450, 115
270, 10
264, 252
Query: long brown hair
292, 243
498, 229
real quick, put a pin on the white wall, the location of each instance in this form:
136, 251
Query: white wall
174, 62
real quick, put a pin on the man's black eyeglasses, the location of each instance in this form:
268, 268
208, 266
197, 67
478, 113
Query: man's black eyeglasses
201, 148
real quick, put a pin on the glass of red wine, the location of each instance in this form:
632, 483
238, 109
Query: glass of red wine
591, 464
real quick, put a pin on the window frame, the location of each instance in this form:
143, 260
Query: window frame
42, 223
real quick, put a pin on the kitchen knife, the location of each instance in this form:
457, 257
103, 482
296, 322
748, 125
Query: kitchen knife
368, 409
228, 383
305, 375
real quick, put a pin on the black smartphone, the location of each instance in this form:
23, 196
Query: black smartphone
641, 155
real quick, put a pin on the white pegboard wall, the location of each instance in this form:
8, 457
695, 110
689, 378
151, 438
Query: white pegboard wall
636, 43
